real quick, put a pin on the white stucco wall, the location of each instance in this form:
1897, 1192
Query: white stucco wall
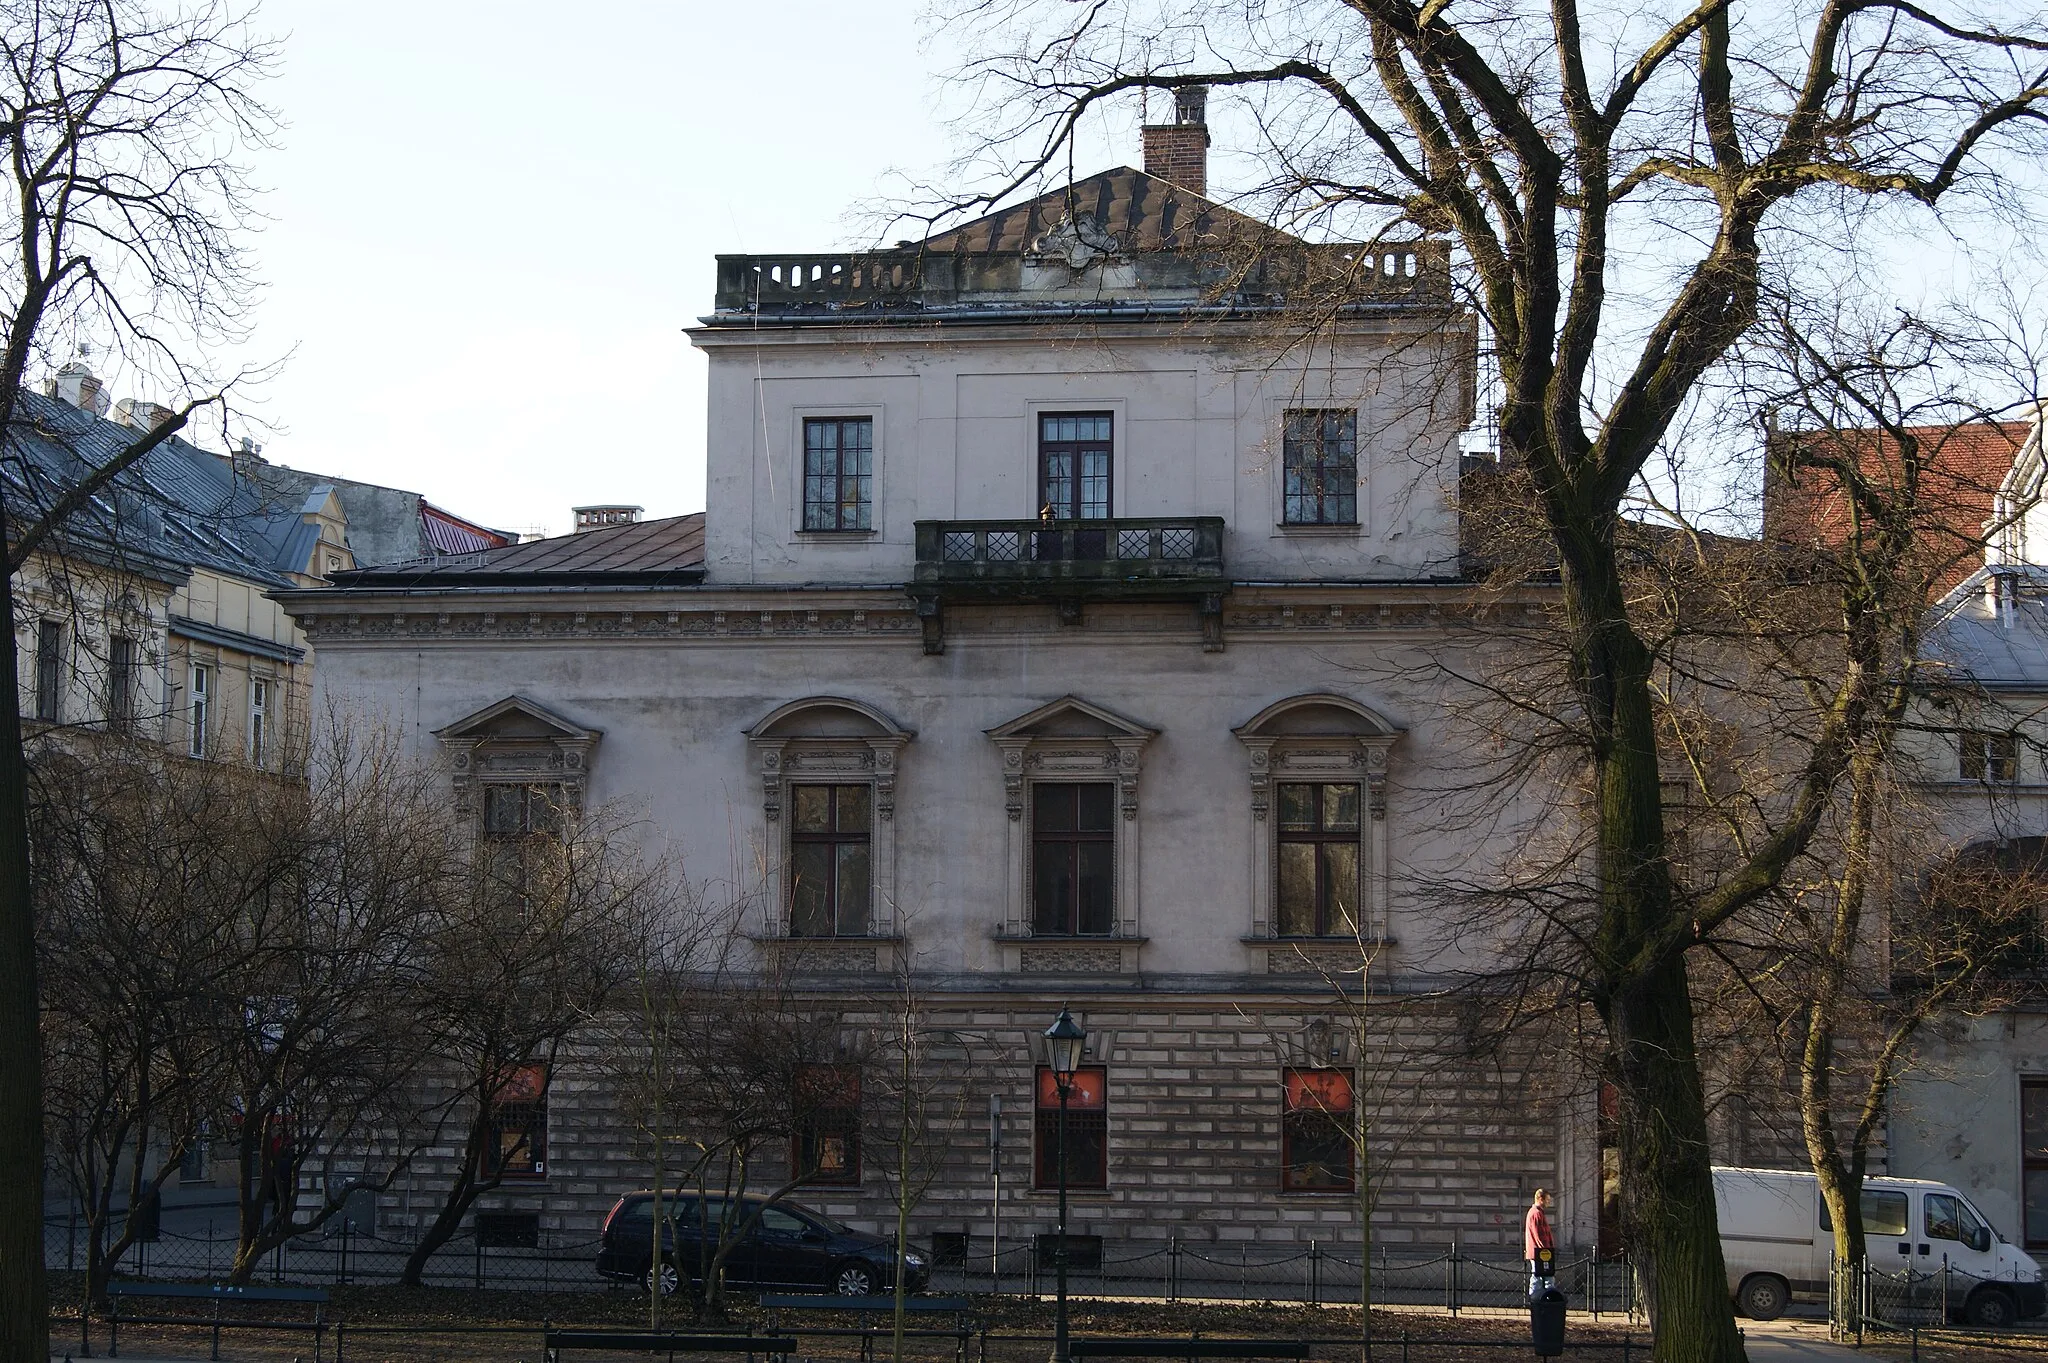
1197, 419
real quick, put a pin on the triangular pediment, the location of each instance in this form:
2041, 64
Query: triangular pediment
1072, 717
516, 718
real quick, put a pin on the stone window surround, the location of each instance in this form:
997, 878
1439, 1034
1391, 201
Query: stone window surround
1272, 439
857, 745
559, 755
1272, 754
1117, 755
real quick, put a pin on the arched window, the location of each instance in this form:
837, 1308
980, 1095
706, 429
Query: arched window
1318, 770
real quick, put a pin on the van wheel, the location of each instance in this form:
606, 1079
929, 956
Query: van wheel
664, 1280
1989, 1309
1763, 1296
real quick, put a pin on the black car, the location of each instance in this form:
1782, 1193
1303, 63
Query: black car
790, 1246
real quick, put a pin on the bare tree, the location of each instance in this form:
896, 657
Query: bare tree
119, 126
1546, 139
144, 862
518, 961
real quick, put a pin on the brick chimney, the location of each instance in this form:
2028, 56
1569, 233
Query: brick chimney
605, 516
139, 415
75, 384
1178, 152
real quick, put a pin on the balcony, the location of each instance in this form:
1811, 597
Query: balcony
1070, 562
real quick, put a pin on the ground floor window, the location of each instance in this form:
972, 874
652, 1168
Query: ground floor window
827, 1144
2034, 1159
1087, 1129
518, 1146
1315, 1131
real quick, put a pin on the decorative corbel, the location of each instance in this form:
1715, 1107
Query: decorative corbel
1259, 754
1376, 780
771, 781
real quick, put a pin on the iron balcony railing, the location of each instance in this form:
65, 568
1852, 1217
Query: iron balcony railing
1125, 556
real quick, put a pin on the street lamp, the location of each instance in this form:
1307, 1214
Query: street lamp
1063, 1043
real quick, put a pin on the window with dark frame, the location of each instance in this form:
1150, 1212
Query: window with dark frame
1319, 467
831, 860
1073, 858
827, 1120
1992, 757
1087, 1129
2034, 1161
839, 458
517, 1150
1074, 454
521, 823
1316, 859
49, 670
1315, 1131
121, 676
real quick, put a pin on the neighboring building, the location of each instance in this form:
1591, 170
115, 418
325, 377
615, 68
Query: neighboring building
1089, 634
385, 524
148, 612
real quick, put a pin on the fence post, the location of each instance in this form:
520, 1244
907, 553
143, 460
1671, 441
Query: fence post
1451, 1275
479, 1258
1315, 1272
1173, 1268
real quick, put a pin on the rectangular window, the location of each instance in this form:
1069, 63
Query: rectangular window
523, 811
831, 830
199, 709
1073, 854
1989, 757
1319, 466
839, 459
1315, 1131
259, 720
517, 1149
827, 1111
49, 670
2034, 1160
1884, 1213
121, 669
1317, 859
1087, 1129
1074, 453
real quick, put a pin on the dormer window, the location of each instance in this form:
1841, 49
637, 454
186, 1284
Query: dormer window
839, 461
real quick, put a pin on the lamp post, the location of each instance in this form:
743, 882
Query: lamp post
1063, 1042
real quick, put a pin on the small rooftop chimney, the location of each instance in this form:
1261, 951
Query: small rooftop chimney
141, 416
1178, 152
75, 384
604, 517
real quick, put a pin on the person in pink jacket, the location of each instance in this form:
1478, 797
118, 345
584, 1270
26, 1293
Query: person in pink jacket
1539, 1245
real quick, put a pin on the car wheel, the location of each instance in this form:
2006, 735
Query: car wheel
1763, 1297
1989, 1309
664, 1279
855, 1279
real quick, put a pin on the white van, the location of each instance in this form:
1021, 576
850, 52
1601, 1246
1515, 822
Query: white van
1778, 1240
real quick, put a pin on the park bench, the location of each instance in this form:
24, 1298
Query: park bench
220, 1294
882, 1305
1192, 1348
555, 1342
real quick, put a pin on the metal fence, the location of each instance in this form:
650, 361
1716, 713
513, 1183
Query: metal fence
1451, 1277
1865, 1301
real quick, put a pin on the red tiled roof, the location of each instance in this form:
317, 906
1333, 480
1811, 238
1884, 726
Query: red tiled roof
671, 549
1961, 470
447, 533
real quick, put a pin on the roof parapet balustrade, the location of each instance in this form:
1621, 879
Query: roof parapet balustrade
870, 283
1070, 562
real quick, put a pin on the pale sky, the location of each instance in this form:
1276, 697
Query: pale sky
491, 223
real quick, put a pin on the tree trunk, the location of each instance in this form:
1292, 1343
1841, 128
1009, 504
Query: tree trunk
24, 1285
468, 1187
1644, 993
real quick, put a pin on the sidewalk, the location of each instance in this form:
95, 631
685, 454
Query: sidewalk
1790, 1341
